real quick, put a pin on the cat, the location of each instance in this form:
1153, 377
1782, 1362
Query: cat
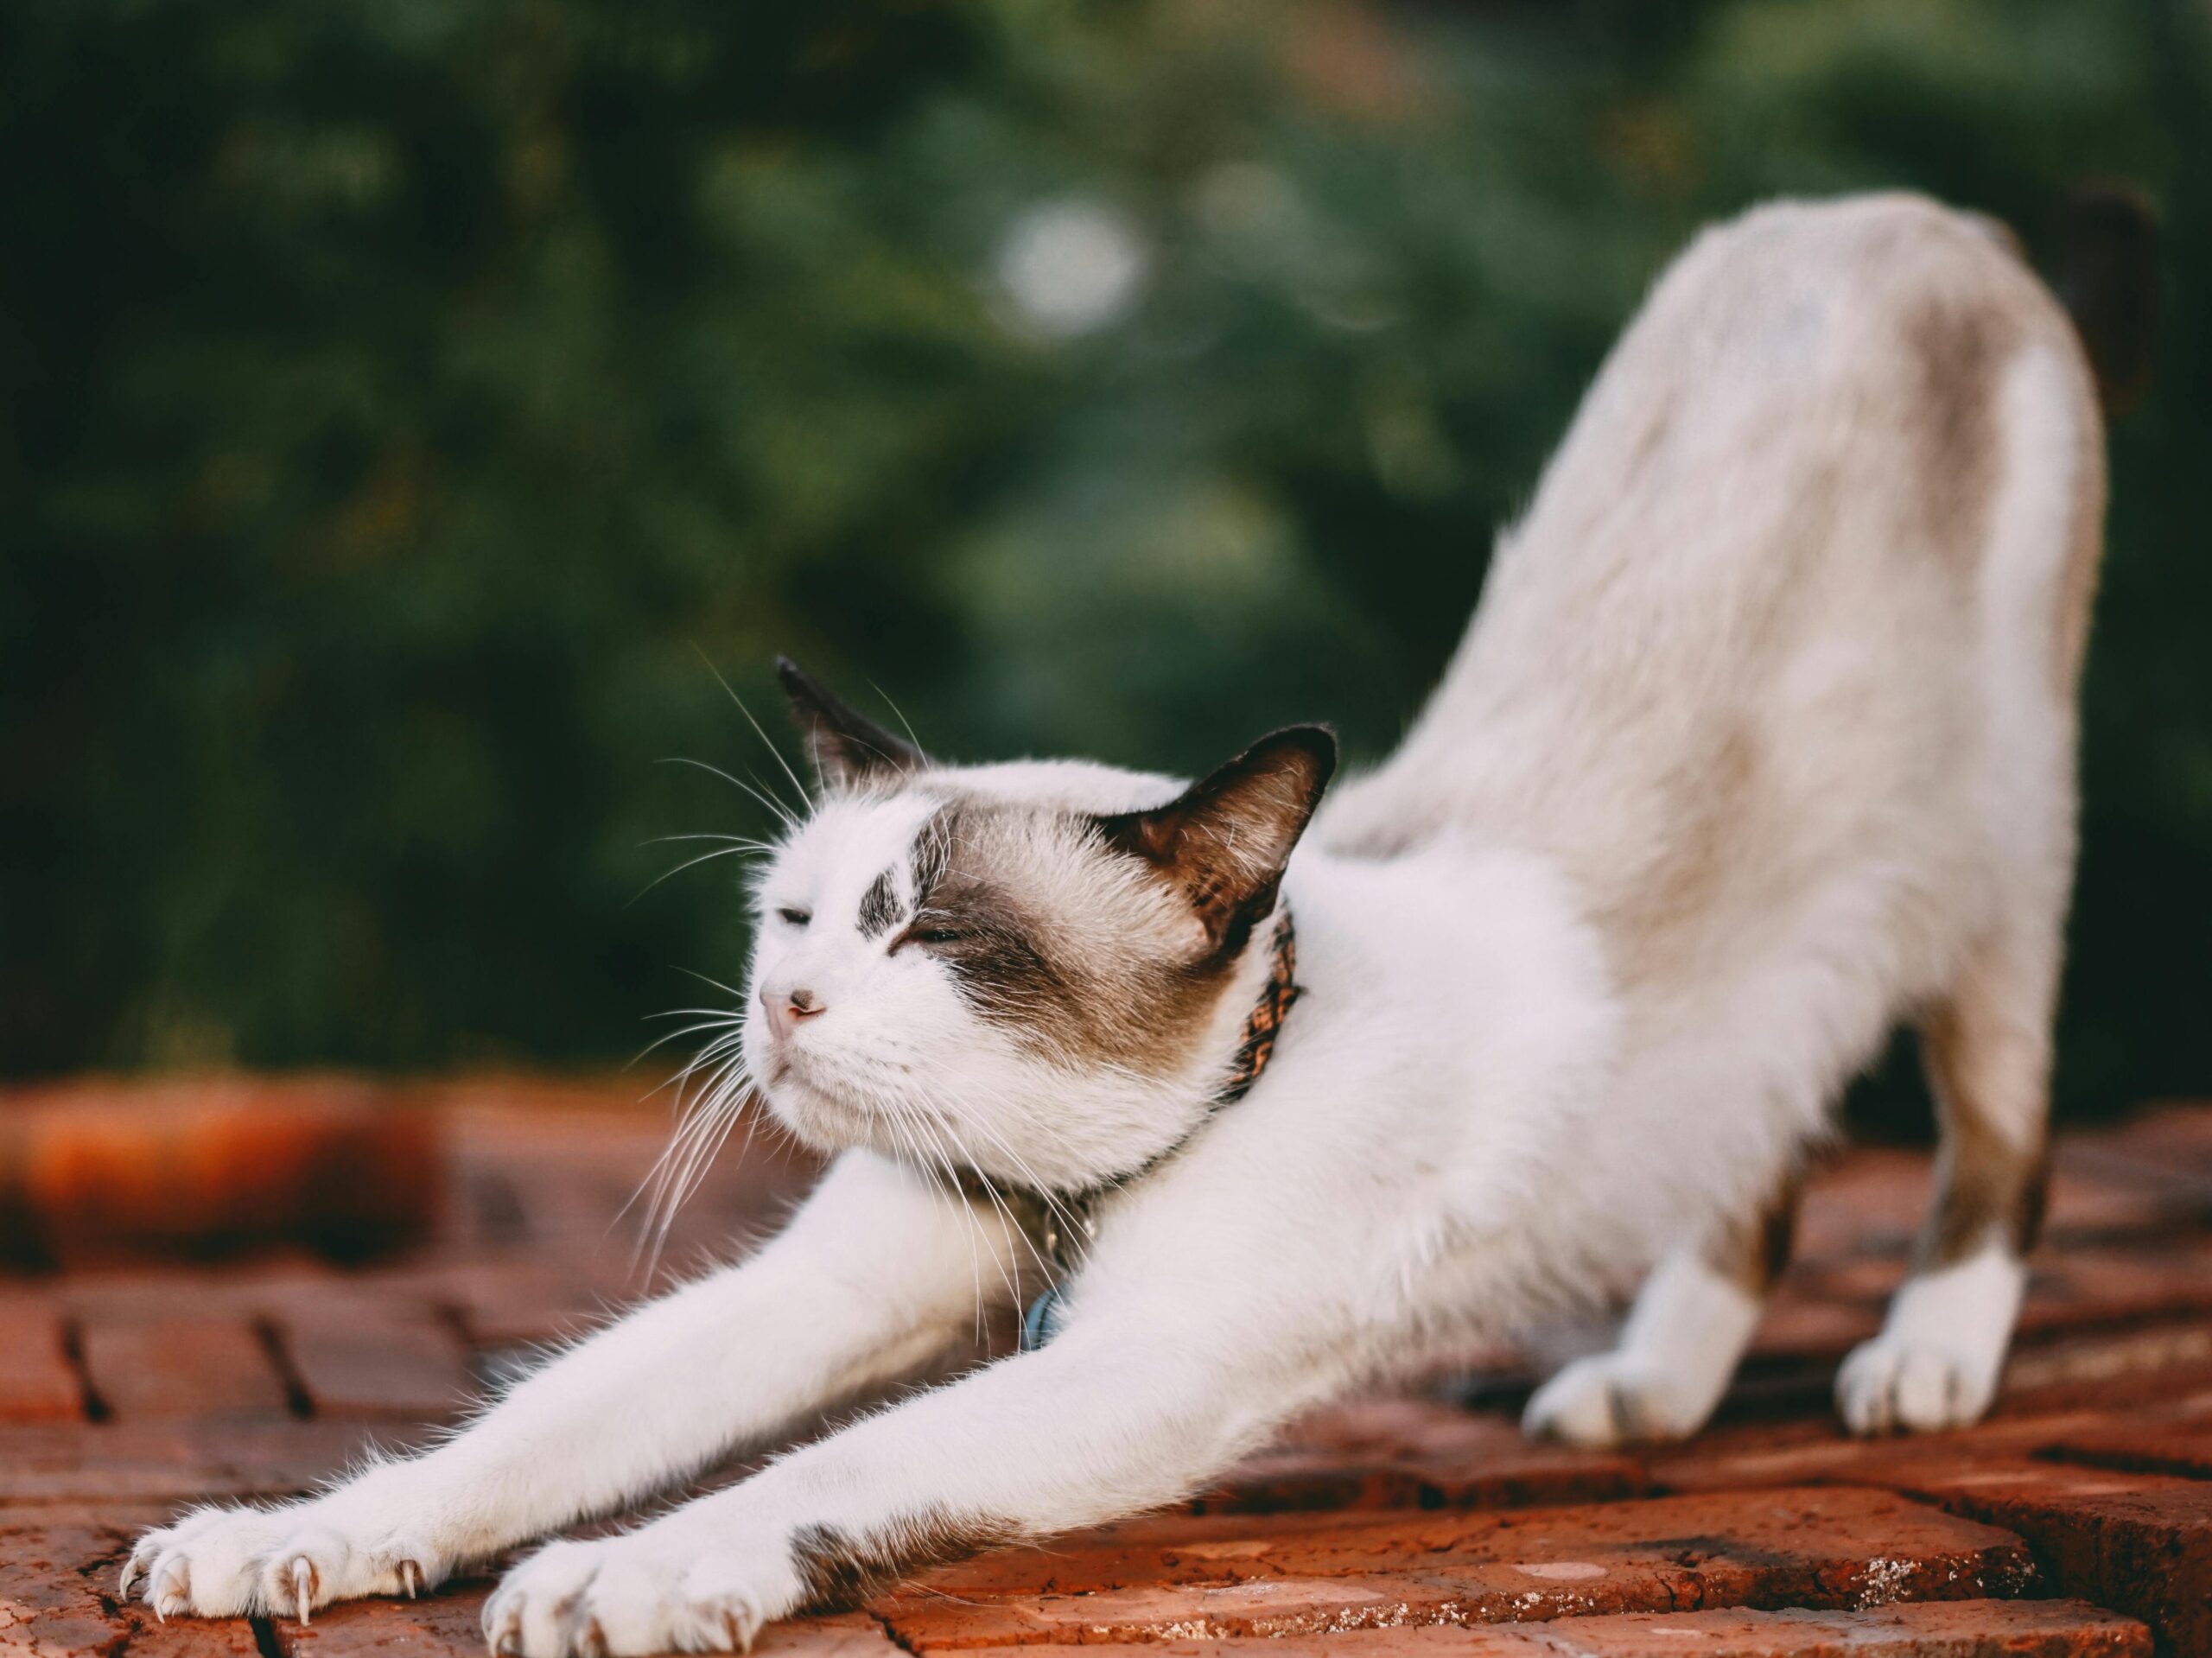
1761, 742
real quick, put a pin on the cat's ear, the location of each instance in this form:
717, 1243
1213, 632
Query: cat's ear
1224, 841
849, 748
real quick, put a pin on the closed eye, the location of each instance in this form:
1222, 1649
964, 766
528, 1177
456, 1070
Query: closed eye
791, 916
936, 936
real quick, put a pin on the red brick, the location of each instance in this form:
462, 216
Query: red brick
1411, 1453
855, 1634
37, 1383
182, 1367
449, 1622
174, 1462
57, 1590
1964, 1628
360, 1362
1792, 1548
106, 1167
2149, 1448
2134, 1542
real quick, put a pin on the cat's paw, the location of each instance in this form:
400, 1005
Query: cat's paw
1898, 1383
1610, 1398
227, 1561
663, 1589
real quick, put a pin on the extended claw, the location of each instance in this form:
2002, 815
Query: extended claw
303, 1587
176, 1583
130, 1575
411, 1578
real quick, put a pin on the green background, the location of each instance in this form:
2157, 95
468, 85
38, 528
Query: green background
399, 399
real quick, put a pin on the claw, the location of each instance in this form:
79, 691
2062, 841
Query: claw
411, 1578
302, 1580
171, 1587
738, 1626
130, 1576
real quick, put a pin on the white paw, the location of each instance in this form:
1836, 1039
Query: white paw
226, 1561
1610, 1398
659, 1589
1895, 1383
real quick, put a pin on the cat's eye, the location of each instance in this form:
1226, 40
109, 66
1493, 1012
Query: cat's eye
936, 936
791, 915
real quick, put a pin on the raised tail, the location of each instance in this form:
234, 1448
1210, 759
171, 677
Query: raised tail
2108, 278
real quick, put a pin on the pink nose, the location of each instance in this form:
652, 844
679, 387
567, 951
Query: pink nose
786, 1008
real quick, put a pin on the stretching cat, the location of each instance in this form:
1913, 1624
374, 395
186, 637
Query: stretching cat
1762, 741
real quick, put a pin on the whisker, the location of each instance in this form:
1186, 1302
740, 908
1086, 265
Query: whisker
803, 796
783, 812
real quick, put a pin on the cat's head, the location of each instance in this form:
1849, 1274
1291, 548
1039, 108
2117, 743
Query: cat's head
1039, 970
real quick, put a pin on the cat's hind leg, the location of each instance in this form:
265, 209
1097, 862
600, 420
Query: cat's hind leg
1680, 1346
1987, 1048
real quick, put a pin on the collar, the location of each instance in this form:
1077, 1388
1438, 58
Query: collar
1063, 1224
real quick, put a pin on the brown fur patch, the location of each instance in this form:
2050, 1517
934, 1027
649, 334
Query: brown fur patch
1709, 800
879, 907
1988, 1184
1985, 1188
2077, 584
1752, 1250
1958, 352
841, 1572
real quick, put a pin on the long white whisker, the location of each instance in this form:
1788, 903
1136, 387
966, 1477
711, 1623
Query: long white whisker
755, 724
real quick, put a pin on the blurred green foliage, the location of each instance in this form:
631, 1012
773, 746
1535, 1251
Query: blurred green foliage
398, 398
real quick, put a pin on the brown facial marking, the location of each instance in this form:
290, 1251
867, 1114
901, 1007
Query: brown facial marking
1106, 986
981, 934
839, 1571
1957, 355
1752, 1250
879, 907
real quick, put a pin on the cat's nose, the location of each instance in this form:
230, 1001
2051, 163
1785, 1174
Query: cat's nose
786, 1006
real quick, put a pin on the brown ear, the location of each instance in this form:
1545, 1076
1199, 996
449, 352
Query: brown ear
849, 748
1224, 841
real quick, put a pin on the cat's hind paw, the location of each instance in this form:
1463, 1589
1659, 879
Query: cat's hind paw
1610, 1398
1895, 1384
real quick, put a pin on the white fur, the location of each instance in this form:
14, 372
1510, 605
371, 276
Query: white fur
1734, 769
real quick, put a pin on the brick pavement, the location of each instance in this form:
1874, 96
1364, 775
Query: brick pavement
2077, 1519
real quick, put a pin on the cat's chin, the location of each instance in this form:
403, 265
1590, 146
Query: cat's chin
818, 1117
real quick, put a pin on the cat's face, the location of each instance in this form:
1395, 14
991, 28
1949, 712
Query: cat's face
1035, 970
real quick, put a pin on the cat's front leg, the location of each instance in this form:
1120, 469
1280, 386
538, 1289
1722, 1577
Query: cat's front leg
879, 1271
1109, 1419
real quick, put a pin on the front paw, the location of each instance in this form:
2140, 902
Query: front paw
661, 1588
223, 1561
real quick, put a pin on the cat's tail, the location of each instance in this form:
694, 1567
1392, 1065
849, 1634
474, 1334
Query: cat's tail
2108, 278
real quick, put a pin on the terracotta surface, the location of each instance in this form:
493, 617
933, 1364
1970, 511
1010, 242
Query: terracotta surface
2077, 1519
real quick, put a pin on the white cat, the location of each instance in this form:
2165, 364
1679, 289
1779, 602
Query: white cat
1761, 741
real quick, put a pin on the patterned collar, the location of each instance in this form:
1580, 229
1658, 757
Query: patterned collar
1063, 1223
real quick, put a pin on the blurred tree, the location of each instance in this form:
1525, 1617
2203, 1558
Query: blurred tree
393, 395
